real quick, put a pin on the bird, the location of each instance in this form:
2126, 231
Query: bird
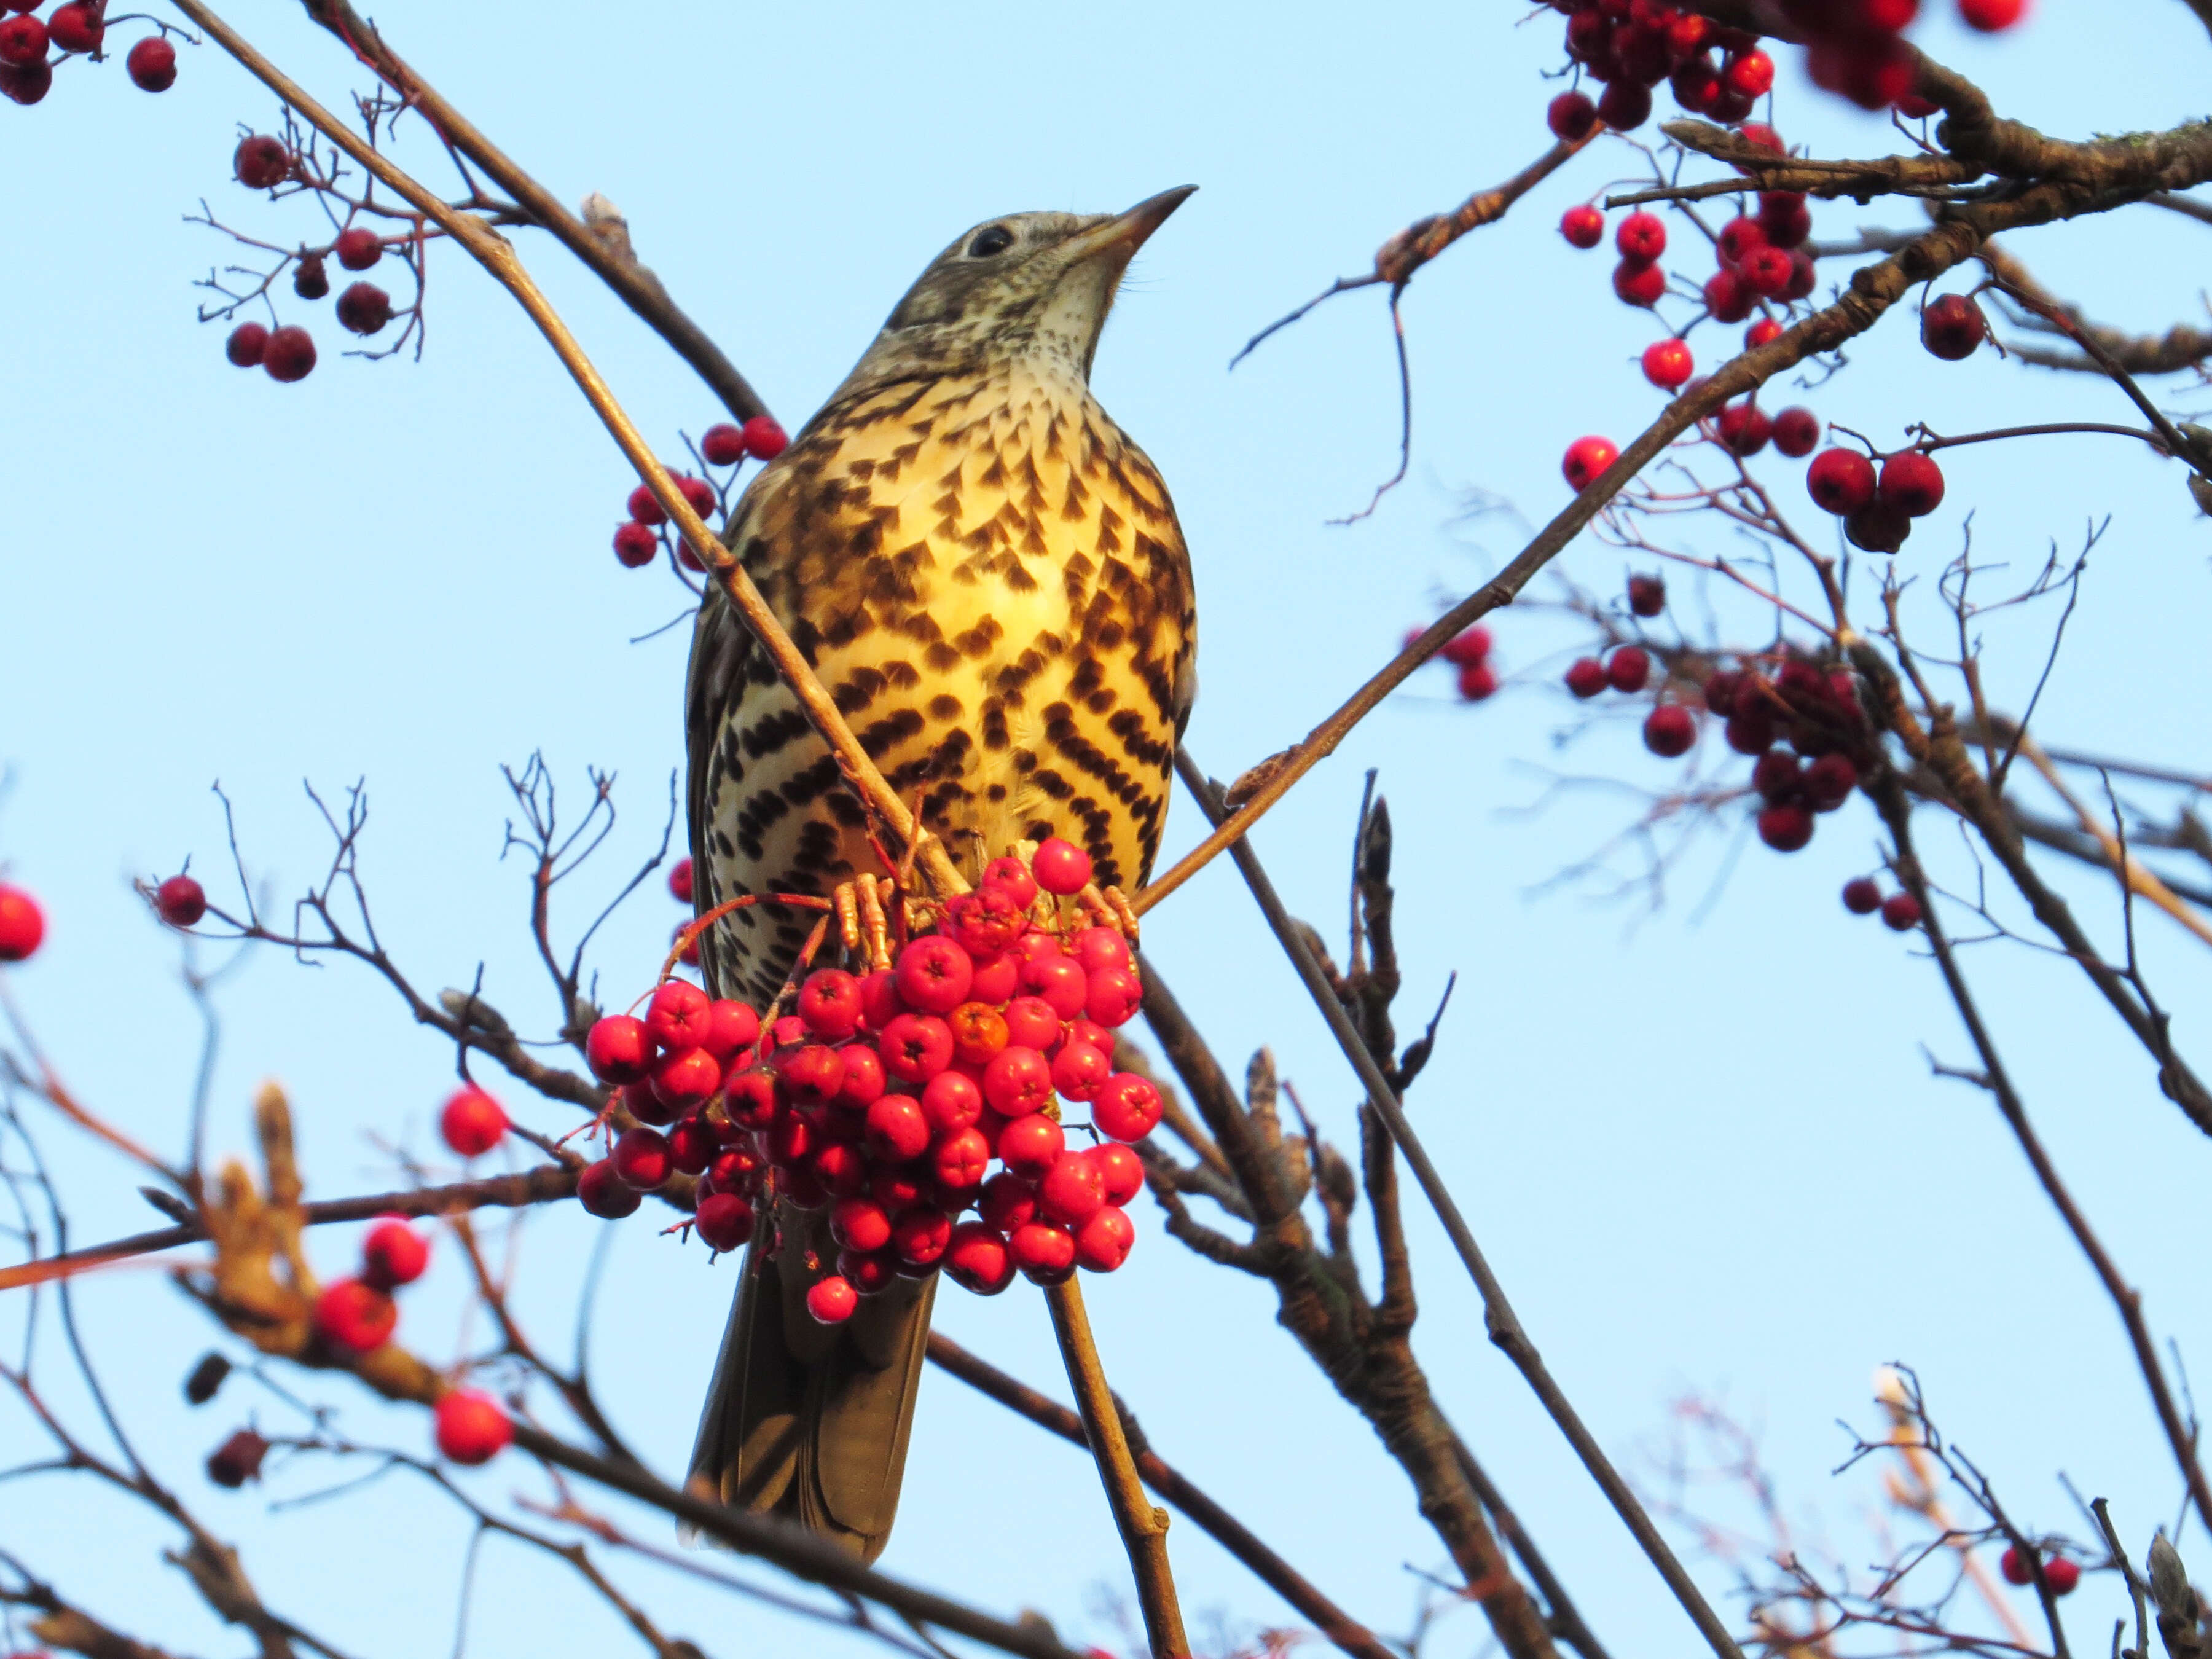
987, 576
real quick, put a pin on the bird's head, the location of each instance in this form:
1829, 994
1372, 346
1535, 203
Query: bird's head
1025, 285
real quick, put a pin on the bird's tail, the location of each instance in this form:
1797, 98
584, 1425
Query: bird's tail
807, 1420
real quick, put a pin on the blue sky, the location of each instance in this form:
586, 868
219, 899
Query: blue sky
1701, 1146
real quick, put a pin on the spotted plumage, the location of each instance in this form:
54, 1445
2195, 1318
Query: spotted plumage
987, 577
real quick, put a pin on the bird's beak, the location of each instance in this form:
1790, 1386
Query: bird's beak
1126, 233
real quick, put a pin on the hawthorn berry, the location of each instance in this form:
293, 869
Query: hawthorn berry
1840, 480
311, 278
1991, 16
1641, 236
1911, 482
1914, 107
1750, 73
1728, 296
260, 161
644, 507
232, 1463
471, 1427
1777, 775
1628, 668
1785, 827
1586, 677
1720, 690
1829, 782
1862, 897
1570, 115
1695, 82
364, 308
290, 353
1784, 217
2016, 1567
1743, 427
1587, 458
1760, 133
1739, 237
1768, 270
604, 1193
77, 26
353, 1315
2062, 1573
723, 445
22, 924
25, 84
1901, 911
1638, 283
1761, 333
246, 345
1625, 105
832, 1300
1880, 526
1669, 731
392, 1253
1796, 429
765, 440
1061, 867
1476, 682
152, 65
1728, 105
1470, 646
1647, 595
180, 901
1582, 226
23, 42
635, 545
1952, 327
471, 1121
724, 1222
1667, 364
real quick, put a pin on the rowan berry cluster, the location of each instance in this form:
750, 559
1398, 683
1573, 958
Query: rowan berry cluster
1467, 653
1631, 45
902, 1099
723, 448
31, 46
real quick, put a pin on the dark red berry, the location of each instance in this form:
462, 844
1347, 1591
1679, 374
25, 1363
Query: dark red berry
1739, 237
1951, 326
364, 308
644, 507
359, 248
723, 445
77, 26
764, 438
23, 42
1768, 270
1638, 283
1585, 460
1695, 82
1880, 526
1625, 105
1628, 668
1829, 782
152, 65
1784, 217
1901, 911
260, 161
289, 355
1647, 595
604, 1193
1749, 73
1586, 677
1744, 426
310, 279
238, 1460
1668, 730
1991, 16
246, 345
2062, 1573
1728, 296
393, 1254
1641, 236
1911, 482
1582, 226
1786, 827
724, 1221
1796, 429
635, 545
181, 901
1777, 775
1840, 480
1570, 115
1477, 682
1862, 897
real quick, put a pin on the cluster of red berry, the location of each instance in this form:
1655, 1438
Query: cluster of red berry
1858, 47
1631, 45
1468, 653
640, 536
888, 1098
1862, 898
2061, 1572
73, 29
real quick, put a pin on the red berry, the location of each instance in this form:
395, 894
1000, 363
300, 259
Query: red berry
829, 1003
471, 1427
860, 1224
1007, 1201
723, 445
644, 508
1628, 668
358, 247
1951, 326
259, 161
1647, 595
1042, 1247
934, 974
692, 1145
764, 438
1586, 677
1914, 107
1861, 897
1570, 115
1728, 296
641, 1158
1749, 73
1104, 1242
679, 874
1073, 1190
1695, 82
26, 83
920, 1235
977, 1259
1669, 730
1901, 911
813, 1075
1477, 682
1641, 236
1028, 1144
1638, 283
730, 1026
724, 1222
310, 279
1062, 867
698, 492
23, 42
896, 1129
1880, 526
232, 1464
1829, 782
289, 355
1785, 827
180, 901
1796, 429
915, 1047
1728, 105
393, 1253
679, 1016
1126, 1108
246, 345
1469, 647
471, 1121
77, 26
364, 308
1992, 15
1768, 270
961, 1159
1840, 480
1743, 427
1582, 226
356, 1315
618, 1049
1784, 218
1585, 460
1669, 363
1625, 105
2062, 1573
1758, 133
1912, 482
1777, 775
2014, 1566
1014, 876
1121, 1171
1802, 276
1720, 690
1740, 237
1117, 994
152, 65
602, 1194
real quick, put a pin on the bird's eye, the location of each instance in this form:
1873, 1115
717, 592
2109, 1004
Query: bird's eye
993, 239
